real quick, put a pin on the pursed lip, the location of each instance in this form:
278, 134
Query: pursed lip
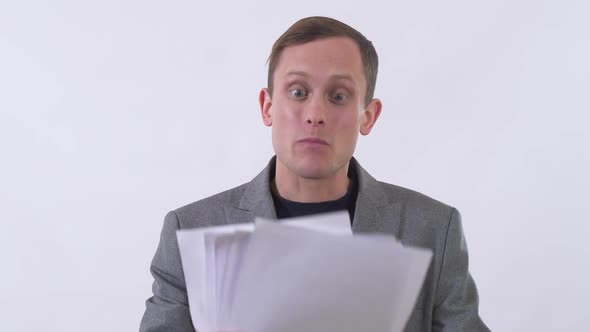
313, 140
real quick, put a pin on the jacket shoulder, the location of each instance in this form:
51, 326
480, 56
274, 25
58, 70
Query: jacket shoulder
411, 197
419, 211
209, 211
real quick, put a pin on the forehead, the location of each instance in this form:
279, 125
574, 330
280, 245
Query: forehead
323, 58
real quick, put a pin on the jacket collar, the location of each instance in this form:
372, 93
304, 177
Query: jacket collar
257, 197
372, 213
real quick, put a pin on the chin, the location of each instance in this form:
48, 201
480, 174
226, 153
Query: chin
313, 174
315, 170
313, 167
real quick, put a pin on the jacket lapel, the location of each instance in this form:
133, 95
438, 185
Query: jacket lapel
374, 212
256, 200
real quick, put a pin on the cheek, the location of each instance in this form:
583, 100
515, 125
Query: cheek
286, 119
347, 131
349, 122
282, 129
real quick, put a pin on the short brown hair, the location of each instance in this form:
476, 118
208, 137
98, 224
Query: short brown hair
318, 27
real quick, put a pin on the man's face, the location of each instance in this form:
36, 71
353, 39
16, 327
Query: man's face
316, 110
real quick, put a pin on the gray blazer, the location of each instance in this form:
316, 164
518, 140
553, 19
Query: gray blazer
448, 300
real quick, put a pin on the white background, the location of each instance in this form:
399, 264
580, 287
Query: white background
114, 112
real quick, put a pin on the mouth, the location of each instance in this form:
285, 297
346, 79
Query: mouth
313, 141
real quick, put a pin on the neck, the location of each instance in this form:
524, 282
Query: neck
306, 190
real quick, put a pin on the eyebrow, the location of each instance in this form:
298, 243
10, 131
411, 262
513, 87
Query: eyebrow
296, 72
335, 76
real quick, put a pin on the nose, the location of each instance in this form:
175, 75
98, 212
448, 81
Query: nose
315, 113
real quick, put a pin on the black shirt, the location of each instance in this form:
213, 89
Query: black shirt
288, 209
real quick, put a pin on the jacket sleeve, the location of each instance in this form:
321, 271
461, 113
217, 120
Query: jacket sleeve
456, 302
167, 310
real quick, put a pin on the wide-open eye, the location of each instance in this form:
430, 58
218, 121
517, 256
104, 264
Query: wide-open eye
339, 97
298, 93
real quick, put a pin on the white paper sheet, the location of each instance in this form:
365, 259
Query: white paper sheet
232, 272
191, 243
304, 274
300, 280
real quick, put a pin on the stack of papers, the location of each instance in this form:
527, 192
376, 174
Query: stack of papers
303, 274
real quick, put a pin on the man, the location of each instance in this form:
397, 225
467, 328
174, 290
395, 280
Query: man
321, 80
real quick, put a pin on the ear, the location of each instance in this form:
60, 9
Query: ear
265, 105
370, 115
